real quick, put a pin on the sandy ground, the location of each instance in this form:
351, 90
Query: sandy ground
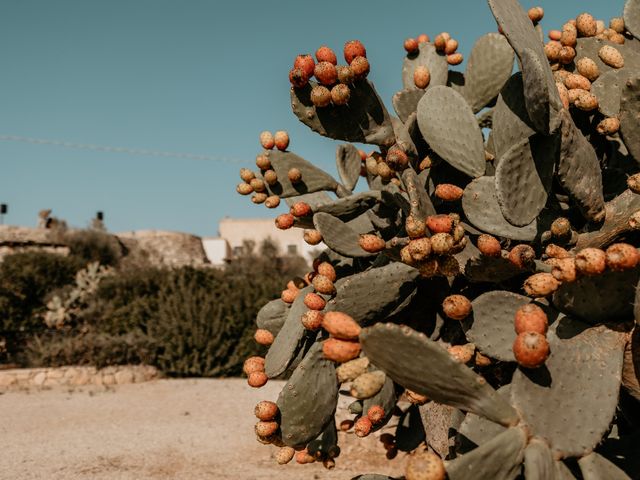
166, 429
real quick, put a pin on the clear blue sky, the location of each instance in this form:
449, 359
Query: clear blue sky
202, 77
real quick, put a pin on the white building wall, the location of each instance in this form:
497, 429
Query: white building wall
217, 250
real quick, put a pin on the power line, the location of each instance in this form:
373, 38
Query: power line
112, 149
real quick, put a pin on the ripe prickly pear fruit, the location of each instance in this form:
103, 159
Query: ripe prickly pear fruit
272, 201
257, 379
591, 261
345, 74
284, 455
270, 176
441, 223
541, 285
522, 256
259, 198
622, 256
281, 139
376, 414
266, 429
425, 466
586, 101
588, 68
419, 249
574, 80
263, 337
561, 227
440, 42
441, 243
448, 192
303, 457
423, 38
360, 67
462, 353
456, 307
371, 243
266, 140
298, 77
326, 269
611, 56
586, 25
535, 14
455, 59
257, 185
397, 158
352, 369
489, 245
263, 162
294, 175
567, 54
531, 349
555, 35
312, 237
608, 126
253, 364
247, 175
301, 209
421, 77
326, 73
362, 427
322, 284
266, 410
617, 24
289, 295
320, 96
482, 360
306, 63
244, 189
555, 251
415, 227
312, 319
411, 45
313, 301
353, 49
416, 398
340, 94
340, 351
633, 182
340, 325
284, 221
368, 384
564, 269
428, 268
552, 50
531, 318
325, 54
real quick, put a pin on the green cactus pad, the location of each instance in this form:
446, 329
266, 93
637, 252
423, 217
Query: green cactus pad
272, 316
338, 236
365, 119
441, 422
562, 472
405, 355
616, 221
289, 340
480, 205
540, 92
608, 89
590, 46
410, 431
374, 294
632, 17
498, 459
475, 430
404, 139
442, 111
596, 467
385, 398
405, 102
313, 199
579, 170
350, 207
582, 374
308, 400
426, 57
491, 326
488, 69
629, 121
348, 163
631, 366
605, 297
421, 205
538, 461
511, 123
326, 443
523, 178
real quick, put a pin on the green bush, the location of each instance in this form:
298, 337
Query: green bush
87, 246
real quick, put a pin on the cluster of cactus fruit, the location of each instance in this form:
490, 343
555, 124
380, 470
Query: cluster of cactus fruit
487, 277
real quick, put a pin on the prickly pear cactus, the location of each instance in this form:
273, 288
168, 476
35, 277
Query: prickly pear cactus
480, 302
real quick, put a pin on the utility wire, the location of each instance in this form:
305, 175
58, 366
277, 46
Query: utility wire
112, 149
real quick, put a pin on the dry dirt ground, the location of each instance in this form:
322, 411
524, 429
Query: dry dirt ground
165, 429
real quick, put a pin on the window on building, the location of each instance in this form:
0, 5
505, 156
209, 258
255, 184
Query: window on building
292, 249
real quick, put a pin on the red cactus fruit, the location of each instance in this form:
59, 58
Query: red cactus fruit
451, 46
456, 307
257, 185
411, 45
535, 14
326, 269
340, 94
555, 251
345, 74
416, 398
301, 209
247, 175
397, 158
421, 77
441, 243
284, 455
244, 189
423, 38
531, 349
591, 261
257, 379
263, 337
325, 54
312, 237
419, 249
540, 285
362, 427
323, 285
340, 325
340, 350
448, 192
461, 353
298, 77
455, 59
622, 256
564, 269
306, 63
440, 42
289, 295
360, 67
425, 465
376, 414
266, 410
326, 73
303, 457
284, 221
415, 227
489, 245
313, 301
441, 223
371, 243
265, 429
281, 140
294, 175
253, 364
320, 96
263, 162
531, 318
266, 140
522, 256
312, 319
353, 49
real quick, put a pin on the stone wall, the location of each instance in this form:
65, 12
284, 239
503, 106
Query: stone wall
25, 378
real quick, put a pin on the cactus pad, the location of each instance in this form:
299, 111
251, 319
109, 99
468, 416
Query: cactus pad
348, 163
405, 102
385, 398
629, 121
538, 461
313, 178
608, 89
405, 355
420, 203
596, 467
350, 207
272, 316
582, 374
632, 17
426, 57
338, 236
442, 111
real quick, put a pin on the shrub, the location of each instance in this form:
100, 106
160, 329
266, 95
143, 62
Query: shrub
87, 246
